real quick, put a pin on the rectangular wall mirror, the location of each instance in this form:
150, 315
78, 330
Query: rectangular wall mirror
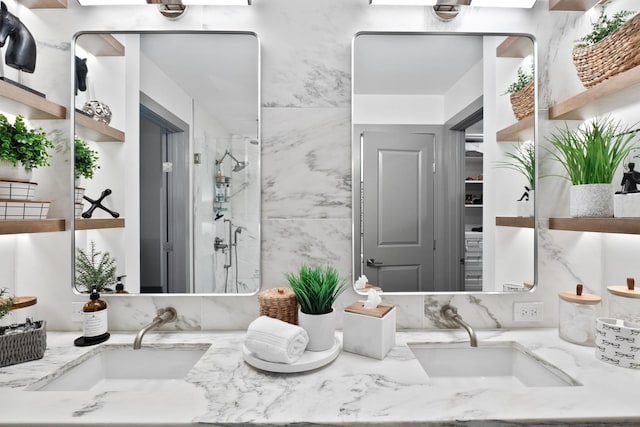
438, 202
174, 121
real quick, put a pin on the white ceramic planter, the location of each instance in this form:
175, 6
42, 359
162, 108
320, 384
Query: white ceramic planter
525, 207
591, 200
14, 173
321, 329
626, 205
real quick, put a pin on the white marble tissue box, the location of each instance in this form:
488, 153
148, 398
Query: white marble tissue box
365, 333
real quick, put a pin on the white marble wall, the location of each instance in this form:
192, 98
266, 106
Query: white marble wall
306, 182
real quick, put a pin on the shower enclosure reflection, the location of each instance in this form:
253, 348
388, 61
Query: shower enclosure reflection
185, 177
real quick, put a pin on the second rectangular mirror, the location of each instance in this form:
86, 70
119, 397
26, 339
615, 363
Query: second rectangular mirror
439, 204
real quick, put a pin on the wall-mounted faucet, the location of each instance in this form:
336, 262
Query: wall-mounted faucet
449, 312
165, 315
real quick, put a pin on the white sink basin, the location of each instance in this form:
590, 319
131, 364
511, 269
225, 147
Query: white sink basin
489, 365
120, 368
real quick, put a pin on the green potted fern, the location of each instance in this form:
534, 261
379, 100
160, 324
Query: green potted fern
94, 270
590, 156
85, 164
521, 94
316, 289
523, 160
21, 149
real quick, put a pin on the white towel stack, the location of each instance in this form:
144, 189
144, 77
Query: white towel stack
275, 341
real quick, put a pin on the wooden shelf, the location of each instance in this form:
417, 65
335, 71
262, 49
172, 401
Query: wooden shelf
45, 4
597, 225
473, 181
93, 130
572, 5
515, 47
472, 206
98, 223
16, 100
514, 221
101, 44
521, 131
31, 226
615, 92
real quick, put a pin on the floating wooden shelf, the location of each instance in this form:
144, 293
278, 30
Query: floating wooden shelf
597, 225
473, 181
101, 44
515, 221
97, 223
575, 5
472, 206
45, 4
93, 130
521, 131
617, 91
515, 47
16, 100
31, 226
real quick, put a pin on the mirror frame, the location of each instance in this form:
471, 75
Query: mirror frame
356, 150
72, 134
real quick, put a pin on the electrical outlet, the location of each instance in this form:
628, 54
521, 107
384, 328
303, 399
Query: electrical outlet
527, 311
76, 311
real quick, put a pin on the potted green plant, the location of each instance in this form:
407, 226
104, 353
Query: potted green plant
85, 165
523, 160
316, 289
604, 52
590, 156
94, 270
5, 303
22, 149
521, 94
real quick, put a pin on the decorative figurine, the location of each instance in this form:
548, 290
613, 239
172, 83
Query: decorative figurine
630, 180
98, 111
525, 195
21, 51
98, 204
81, 74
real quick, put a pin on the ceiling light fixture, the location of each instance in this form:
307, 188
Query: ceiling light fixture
474, 3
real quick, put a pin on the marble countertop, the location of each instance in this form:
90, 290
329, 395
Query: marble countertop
353, 390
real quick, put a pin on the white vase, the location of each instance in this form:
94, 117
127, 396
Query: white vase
17, 172
321, 329
591, 200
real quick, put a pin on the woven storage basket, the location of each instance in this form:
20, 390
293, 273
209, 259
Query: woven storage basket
279, 303
522, 101
23, 346
618, 52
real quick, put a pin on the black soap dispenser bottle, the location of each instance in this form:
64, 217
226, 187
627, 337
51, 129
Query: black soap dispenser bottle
94, 322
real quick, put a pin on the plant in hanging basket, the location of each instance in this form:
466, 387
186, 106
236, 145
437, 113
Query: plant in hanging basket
94, 270
316, 288
19, 144
85, 159
610, 48
521, 94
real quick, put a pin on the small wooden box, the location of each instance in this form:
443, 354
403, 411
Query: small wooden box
369, 332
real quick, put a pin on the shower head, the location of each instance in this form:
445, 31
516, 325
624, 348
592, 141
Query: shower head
239, 166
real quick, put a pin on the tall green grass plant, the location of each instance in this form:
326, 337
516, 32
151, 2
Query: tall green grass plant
523, 160
316, 288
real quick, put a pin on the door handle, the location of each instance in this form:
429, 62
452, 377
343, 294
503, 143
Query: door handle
372, 263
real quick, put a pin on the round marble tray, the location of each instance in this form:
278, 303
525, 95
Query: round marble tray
308, 361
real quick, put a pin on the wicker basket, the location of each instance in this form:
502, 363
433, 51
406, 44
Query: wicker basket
618, 52
279, 303
522, 101
23, 346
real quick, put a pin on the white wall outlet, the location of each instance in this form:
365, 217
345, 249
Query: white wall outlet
76, 311
528, 311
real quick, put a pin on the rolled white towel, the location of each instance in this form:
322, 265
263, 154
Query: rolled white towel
275, 341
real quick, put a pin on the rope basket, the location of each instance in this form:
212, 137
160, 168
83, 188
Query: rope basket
279, 303
23, 346
522, 101
618, 52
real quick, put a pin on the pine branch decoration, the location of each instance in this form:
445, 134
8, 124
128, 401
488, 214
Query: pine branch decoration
94, 270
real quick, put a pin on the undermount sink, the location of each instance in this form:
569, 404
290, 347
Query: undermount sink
120, 368
489, 365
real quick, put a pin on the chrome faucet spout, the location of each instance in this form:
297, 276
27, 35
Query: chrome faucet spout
165, 315
449, 312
